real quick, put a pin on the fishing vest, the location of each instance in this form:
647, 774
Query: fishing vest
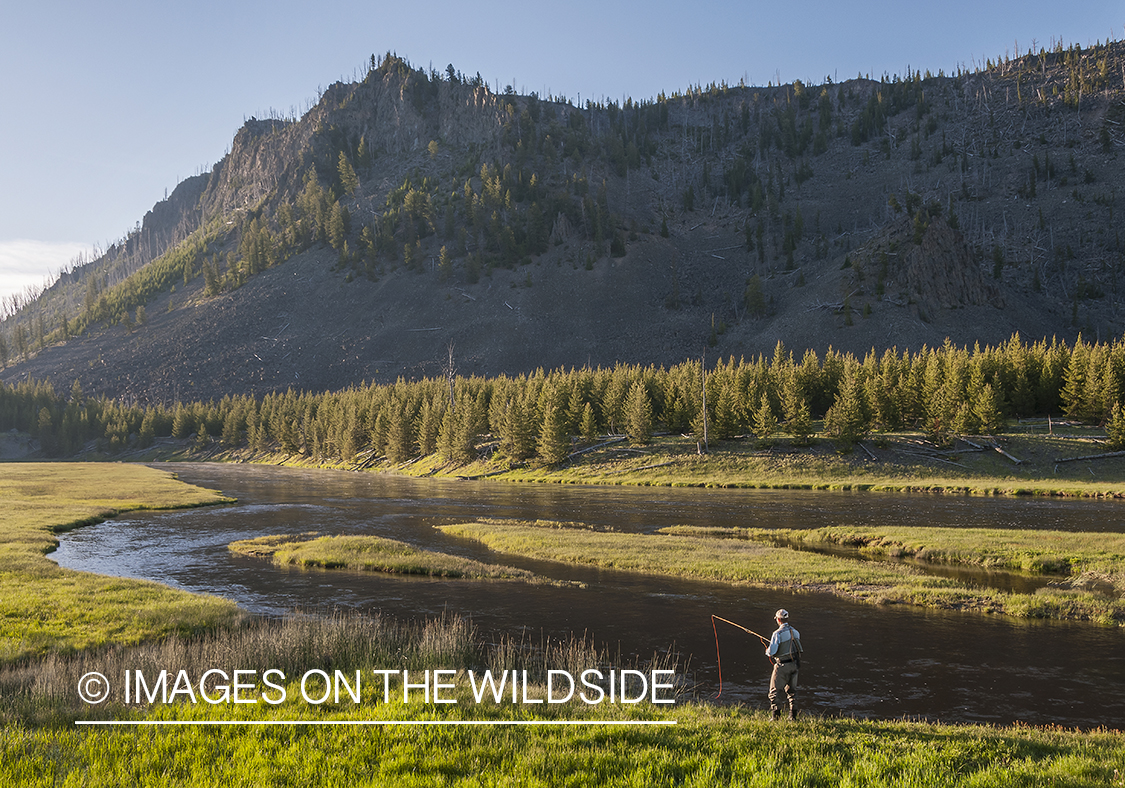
788, 645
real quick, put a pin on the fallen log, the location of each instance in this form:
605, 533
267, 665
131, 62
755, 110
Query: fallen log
598, 446
1009, 456
1104, 456
642, 468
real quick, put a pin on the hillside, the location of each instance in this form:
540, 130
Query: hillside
863, 214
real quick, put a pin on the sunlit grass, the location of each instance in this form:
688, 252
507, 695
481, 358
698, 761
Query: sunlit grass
1046, 551
899, 465
708, 746
682, 553
44, 607
373, 554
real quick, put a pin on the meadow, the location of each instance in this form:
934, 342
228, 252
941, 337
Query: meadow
45, 608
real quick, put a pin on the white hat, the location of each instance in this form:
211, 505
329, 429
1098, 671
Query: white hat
781, 615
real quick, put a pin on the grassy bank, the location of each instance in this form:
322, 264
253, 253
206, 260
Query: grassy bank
905, 462
682, 553
44, 607
902, 462
707, 746
374, 554
1084, 557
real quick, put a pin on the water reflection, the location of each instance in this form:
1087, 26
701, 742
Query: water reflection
860, 660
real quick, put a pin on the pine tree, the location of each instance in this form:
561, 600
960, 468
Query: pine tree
337, 226
232, 429
429, 422
987, 410
348, 177
845, 420
589, 425
554, 443
400, 433
1115, 427
516, 426
181, 422
765, 422
638, 414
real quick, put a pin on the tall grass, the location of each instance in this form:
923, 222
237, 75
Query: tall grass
44, 691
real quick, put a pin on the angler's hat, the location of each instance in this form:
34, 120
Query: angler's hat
782, 615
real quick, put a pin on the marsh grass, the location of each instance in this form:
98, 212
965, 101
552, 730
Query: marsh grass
44, 607
43, 691
1033, 551
697, 553
374, 554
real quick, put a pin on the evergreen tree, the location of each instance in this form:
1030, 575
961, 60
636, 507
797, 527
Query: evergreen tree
516, 426
765, 422
554, 443
429, 422
638, 414
348, 179
589, 424
987, 409
337, 226
845, 420
232, 429
400, 432
1115, 427
181, 422
202, 439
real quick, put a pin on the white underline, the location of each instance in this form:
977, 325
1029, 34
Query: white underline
375, 722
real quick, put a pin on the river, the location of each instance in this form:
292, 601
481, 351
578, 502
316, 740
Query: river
860, 660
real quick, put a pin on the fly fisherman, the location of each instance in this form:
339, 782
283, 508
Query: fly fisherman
784, 652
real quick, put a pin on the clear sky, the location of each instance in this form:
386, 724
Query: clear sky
105, 106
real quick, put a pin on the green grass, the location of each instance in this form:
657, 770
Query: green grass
374, 554
46, 608
902, 462
709, 746
684, 553
1038, 552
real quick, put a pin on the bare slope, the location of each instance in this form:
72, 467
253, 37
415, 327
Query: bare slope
866, 215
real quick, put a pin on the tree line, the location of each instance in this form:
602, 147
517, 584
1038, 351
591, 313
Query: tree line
541, 417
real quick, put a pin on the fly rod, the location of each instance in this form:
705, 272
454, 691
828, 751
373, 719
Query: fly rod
718, 657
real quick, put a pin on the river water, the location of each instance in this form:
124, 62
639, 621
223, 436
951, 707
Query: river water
860, 660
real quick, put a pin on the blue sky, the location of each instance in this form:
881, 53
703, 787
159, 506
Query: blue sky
107, 105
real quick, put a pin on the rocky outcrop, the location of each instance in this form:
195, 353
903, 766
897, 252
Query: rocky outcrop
942, 271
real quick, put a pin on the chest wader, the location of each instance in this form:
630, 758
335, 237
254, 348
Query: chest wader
784, 678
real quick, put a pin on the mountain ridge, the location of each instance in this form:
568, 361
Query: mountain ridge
864, 214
